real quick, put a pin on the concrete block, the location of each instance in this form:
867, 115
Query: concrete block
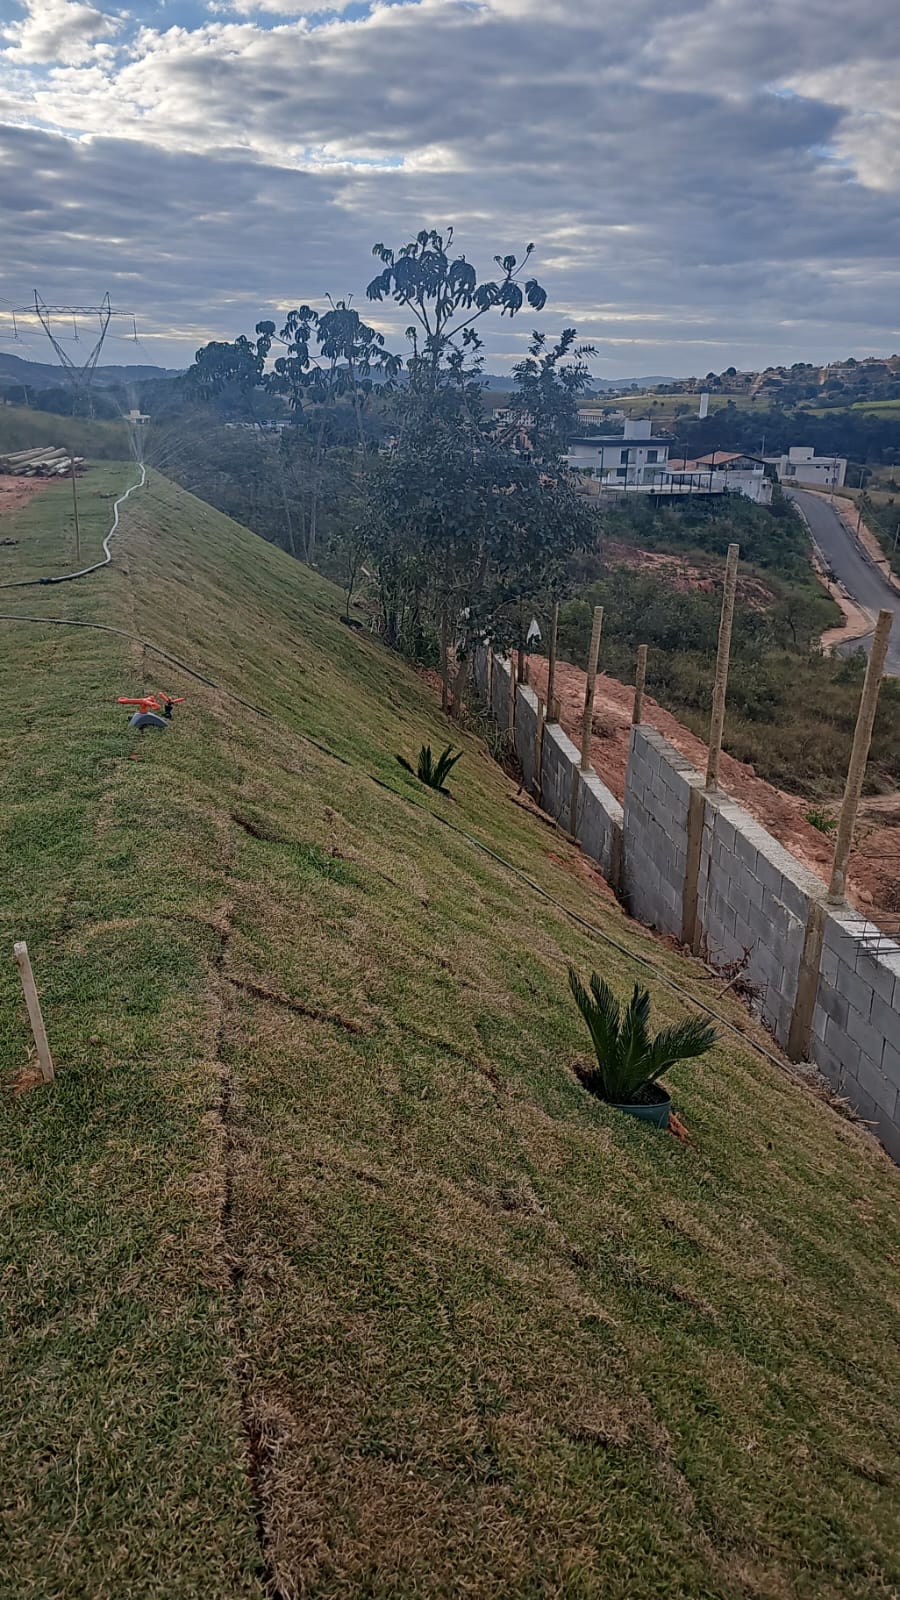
880, 968
856, 991
829, 1063
890, 1061
888, 1132
834, 1005
884, 1018
842, 1046
873, 1083
870, 1041
769, 876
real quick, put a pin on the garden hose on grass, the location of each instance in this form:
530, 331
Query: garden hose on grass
67, 577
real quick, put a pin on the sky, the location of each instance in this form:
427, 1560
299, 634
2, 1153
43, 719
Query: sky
706, 182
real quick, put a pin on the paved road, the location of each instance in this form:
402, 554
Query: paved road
860, 577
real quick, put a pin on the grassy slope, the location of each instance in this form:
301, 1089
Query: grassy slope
24, 429
357, 1268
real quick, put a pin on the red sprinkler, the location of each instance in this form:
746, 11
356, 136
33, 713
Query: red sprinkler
149, 708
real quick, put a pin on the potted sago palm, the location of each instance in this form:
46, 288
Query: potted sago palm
630, 1062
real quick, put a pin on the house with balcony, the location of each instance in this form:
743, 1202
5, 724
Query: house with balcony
634, 459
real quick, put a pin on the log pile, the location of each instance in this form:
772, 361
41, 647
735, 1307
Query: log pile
45, 462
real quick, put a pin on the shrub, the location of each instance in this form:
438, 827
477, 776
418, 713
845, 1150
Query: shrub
431, 772
629, 1061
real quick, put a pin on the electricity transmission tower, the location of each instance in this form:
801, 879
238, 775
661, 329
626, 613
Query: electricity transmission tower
78, 373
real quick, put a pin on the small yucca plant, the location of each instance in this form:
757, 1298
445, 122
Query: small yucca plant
432, 772
629, 1061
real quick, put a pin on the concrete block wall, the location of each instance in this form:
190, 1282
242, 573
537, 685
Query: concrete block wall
526, 734
599, 823
856, 1022
480, 670
559, 759
502, 678
658, 786
754, 897
697, 866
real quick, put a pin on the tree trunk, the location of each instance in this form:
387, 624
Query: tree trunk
314, 496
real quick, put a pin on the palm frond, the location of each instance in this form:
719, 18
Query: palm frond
431, 772
685, 1042
628, 1059
444, 766
600, 1010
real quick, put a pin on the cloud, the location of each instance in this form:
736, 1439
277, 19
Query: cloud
58, 31
713, 176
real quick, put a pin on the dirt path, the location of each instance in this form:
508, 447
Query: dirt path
16, 492
875, 863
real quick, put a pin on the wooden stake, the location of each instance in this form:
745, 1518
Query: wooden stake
75, 504
640, 679
511, 703
45, 1060
720, 687
551, 666
588, 716
490, 679
859, 755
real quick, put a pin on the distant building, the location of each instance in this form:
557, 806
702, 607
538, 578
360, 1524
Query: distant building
802, 466
596, 413
622, 460
725, 472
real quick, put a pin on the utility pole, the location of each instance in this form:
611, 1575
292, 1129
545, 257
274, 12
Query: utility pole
720, 686
859, 755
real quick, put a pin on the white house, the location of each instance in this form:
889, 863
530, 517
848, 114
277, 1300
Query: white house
633, 459
802, 466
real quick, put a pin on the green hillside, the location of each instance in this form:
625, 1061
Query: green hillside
24, 429
321, 1274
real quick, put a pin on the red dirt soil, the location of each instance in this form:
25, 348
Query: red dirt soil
875, 862
16, 492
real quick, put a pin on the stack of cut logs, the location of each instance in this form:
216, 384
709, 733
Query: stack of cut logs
46, 462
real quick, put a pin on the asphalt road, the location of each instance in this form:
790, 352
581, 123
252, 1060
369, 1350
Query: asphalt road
860, 577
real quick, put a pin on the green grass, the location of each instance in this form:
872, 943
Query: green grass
21, 428
324, 1275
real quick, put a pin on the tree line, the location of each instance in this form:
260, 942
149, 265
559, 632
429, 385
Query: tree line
462, 521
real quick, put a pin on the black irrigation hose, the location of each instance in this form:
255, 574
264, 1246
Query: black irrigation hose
67, 577
102, 627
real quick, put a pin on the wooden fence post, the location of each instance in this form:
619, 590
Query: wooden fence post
717, 720
639, 681
590, 685
45, 1060
859, 755
551, 662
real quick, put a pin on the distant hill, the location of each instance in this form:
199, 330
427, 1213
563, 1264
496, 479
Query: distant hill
49, 375
503, 381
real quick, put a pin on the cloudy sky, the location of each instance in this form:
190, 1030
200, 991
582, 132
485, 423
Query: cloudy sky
706, 181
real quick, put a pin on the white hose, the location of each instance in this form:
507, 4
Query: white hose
66, 577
